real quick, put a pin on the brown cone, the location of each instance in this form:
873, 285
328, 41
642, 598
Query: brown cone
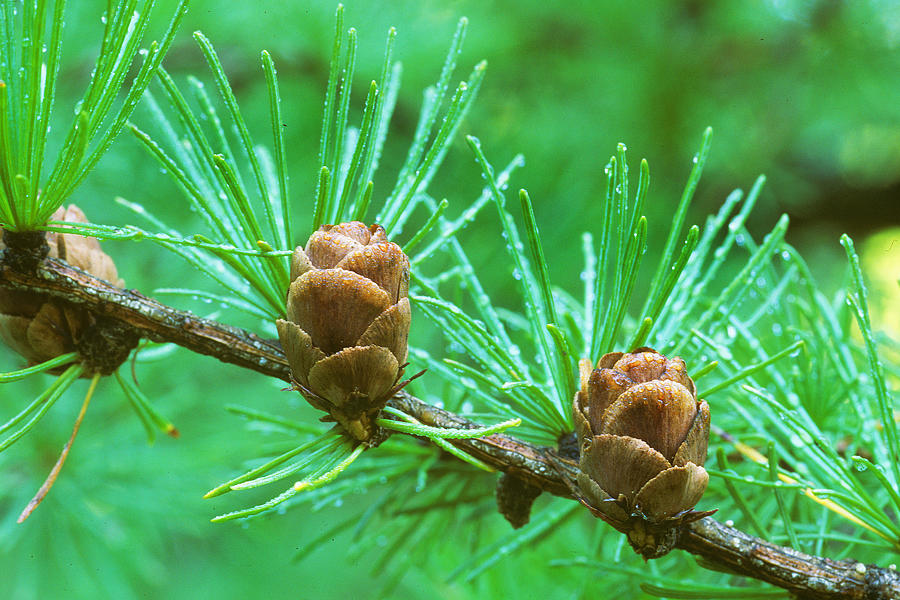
348, 322
645, 437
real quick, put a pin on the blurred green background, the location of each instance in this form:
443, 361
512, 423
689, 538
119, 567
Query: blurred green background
804, 92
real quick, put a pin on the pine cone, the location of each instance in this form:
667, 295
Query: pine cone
40, 328
347, 323
644, 437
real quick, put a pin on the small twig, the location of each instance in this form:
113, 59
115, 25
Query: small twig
719, 546
809, 577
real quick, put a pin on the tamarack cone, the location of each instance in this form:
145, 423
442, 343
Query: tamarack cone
643, 435
348, 317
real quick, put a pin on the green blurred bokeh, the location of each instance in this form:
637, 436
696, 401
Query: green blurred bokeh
804, 92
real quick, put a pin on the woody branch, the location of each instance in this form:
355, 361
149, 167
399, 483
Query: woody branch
719, 546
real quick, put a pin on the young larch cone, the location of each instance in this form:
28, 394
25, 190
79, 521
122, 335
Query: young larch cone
644, 436
40, 328
347, 323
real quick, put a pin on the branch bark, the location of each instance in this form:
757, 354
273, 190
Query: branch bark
718, 545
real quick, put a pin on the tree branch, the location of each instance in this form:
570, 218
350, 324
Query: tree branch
149, 318
718, 545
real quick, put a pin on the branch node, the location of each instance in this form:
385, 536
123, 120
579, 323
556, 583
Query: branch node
105, 344
24, 249
515, 498
567, 446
